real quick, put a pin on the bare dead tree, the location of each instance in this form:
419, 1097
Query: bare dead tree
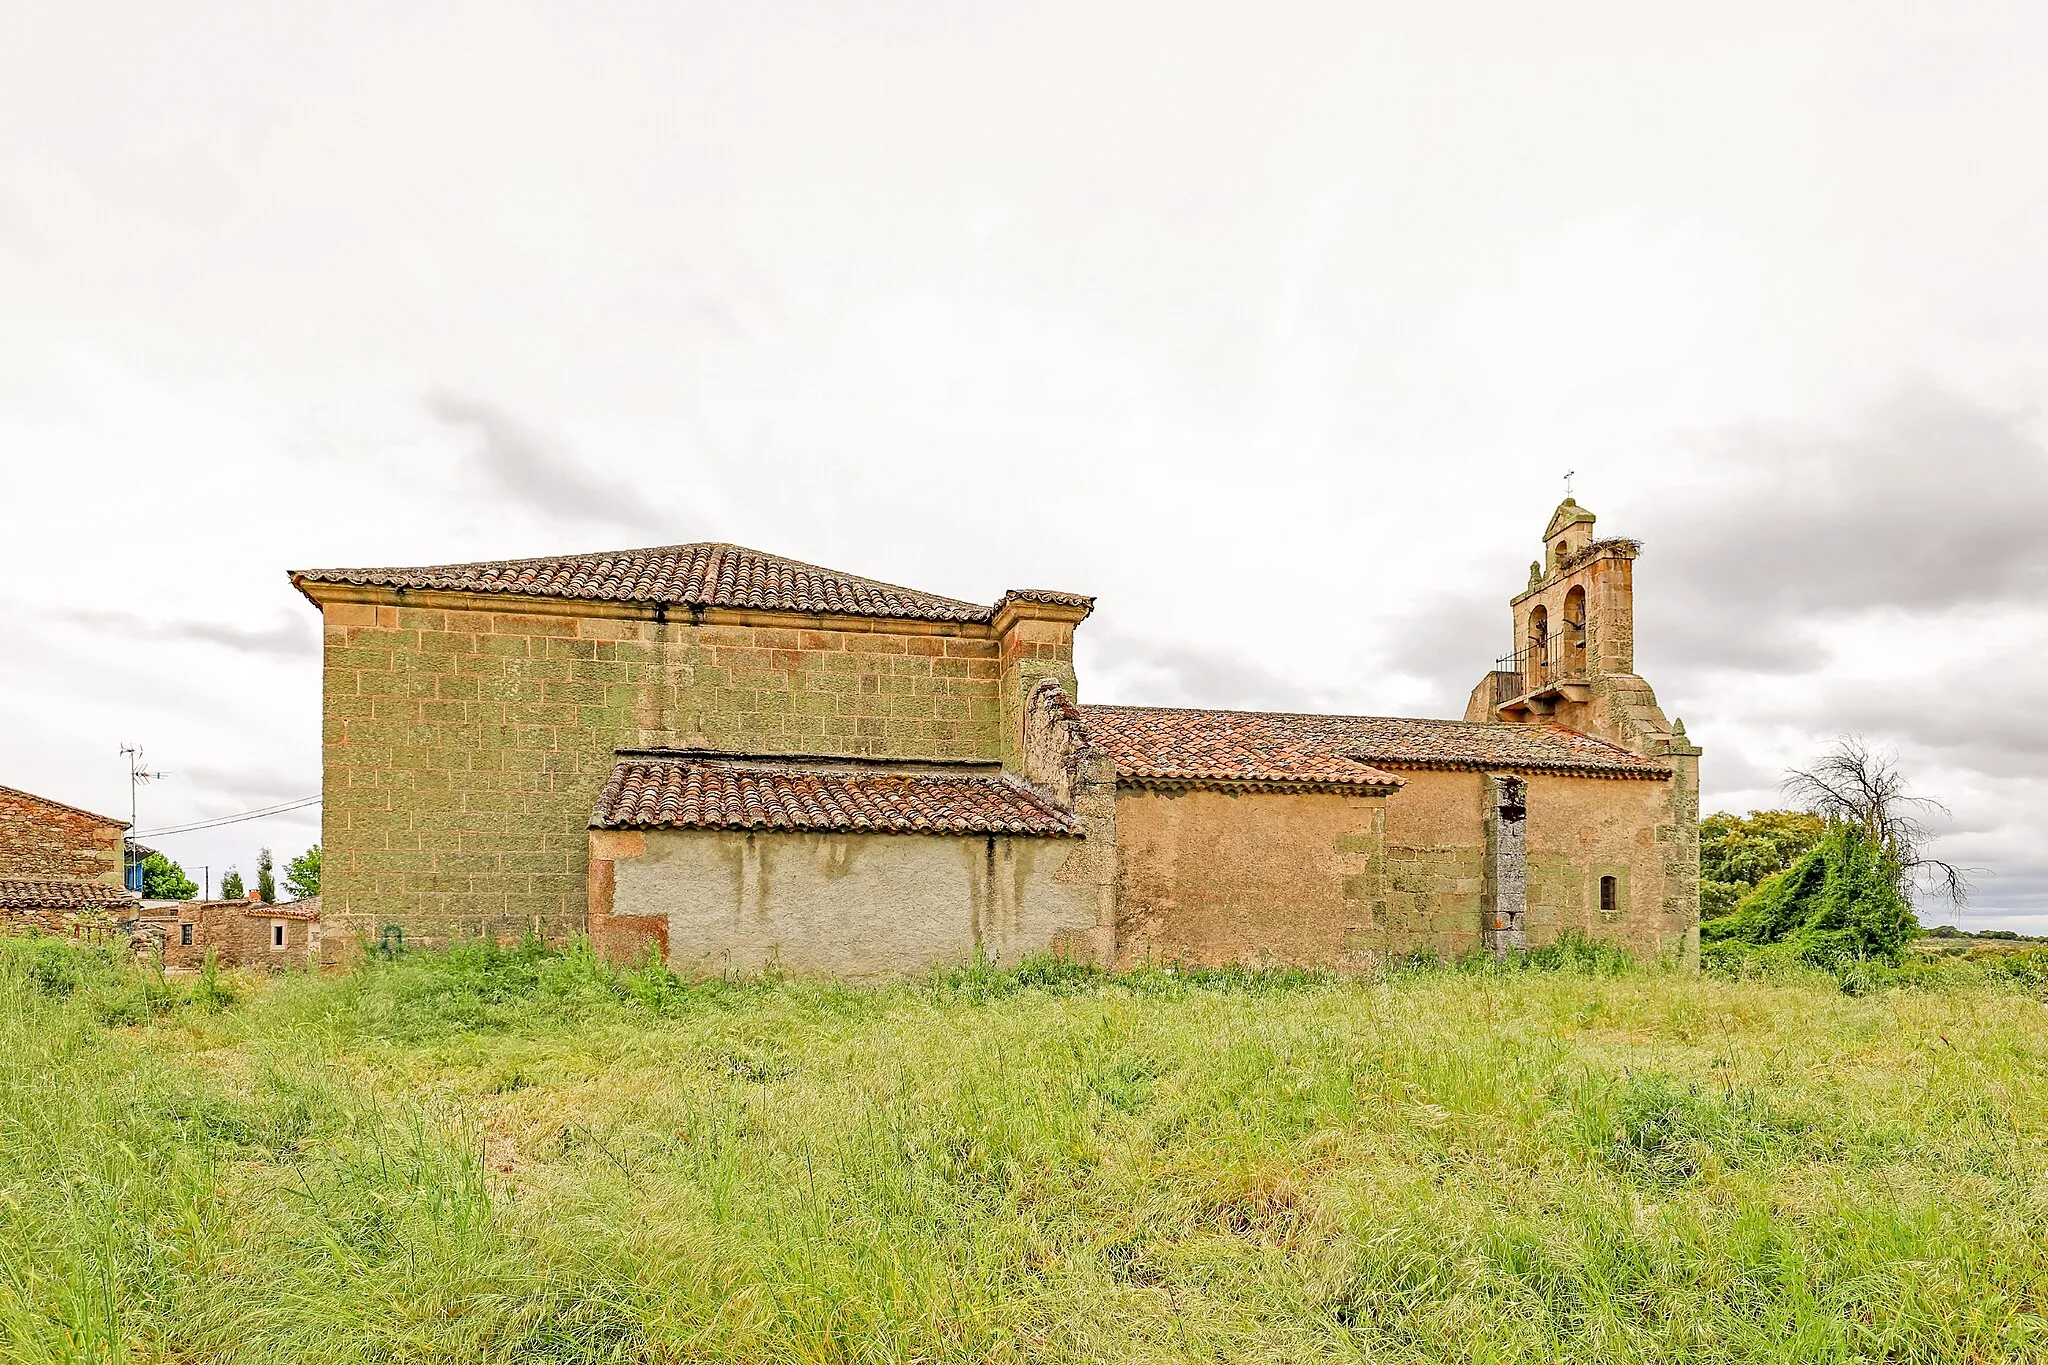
1855, 784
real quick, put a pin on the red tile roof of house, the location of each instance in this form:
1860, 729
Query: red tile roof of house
40, 895
705, 792
1154, 743
708, 574
307, 909
60, 805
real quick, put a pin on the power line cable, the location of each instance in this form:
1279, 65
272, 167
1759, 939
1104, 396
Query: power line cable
279, 809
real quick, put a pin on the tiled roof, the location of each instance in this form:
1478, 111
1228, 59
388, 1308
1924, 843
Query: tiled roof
1172, 745
59, 805
709, 574
1165, 743
693, 792
38, 895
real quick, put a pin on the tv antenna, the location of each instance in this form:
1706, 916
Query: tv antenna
138, 774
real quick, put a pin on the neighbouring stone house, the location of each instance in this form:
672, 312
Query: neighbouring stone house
731, 759
239, 933
60, 868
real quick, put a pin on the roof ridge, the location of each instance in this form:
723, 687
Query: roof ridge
651, 550
824, 569
699, 573
1327, 715
1278, 745
65, 805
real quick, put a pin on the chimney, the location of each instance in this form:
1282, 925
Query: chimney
255, 895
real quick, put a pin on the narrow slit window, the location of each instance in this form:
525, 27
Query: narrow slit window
184, 936
277, 931
1610, 895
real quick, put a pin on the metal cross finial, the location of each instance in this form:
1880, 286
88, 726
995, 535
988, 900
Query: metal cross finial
1568, 481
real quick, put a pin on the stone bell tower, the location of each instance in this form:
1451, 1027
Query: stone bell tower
1572, 663
1573, 658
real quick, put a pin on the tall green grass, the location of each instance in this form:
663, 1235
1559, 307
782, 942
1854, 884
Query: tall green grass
524, 1155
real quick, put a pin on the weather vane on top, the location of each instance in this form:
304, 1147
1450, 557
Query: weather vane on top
1568, 481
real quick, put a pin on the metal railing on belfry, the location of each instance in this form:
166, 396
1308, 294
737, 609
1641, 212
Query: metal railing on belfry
1540, 663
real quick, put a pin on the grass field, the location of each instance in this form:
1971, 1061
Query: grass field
523, 1156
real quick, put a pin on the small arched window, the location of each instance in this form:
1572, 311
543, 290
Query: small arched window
1610, 895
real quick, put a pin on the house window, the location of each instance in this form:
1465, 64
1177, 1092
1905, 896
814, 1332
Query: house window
1610, 895
184, 936
277, 931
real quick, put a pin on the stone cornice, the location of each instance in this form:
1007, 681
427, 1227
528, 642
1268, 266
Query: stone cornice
1617, 548
1033, 605
1516, 769
1253, 784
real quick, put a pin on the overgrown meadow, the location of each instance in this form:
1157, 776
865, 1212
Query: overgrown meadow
522, 1155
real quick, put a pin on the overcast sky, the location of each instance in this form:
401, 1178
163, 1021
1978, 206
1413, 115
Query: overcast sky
1274, 326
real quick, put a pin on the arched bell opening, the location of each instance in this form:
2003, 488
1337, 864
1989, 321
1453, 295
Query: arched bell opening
1572, 635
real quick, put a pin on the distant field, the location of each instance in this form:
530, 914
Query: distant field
523, 1156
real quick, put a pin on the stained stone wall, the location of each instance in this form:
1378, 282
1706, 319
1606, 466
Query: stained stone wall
1256, 877
48, 841
1504, 901
465, 747
1317, 878
1577, 830
860, 906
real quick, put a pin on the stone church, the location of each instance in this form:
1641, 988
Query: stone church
733, 760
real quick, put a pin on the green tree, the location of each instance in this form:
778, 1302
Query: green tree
302, 874
266, 880
1738, 852
1850, 895
231, 885
1844, 898
164, 880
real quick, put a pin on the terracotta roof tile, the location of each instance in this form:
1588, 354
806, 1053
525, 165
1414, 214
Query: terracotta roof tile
1045, 595
1152, 743
307, 909
708, 574
60, 805
693, 792
39, 895
1170, 744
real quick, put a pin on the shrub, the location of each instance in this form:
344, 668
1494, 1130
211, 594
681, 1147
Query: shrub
1842, 901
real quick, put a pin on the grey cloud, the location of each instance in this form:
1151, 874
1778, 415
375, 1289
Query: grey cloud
234, 789
528, 467
1732, 773
1151, 672
1997, 736
1930, 504
2019, 888
290, 635
1448, 642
